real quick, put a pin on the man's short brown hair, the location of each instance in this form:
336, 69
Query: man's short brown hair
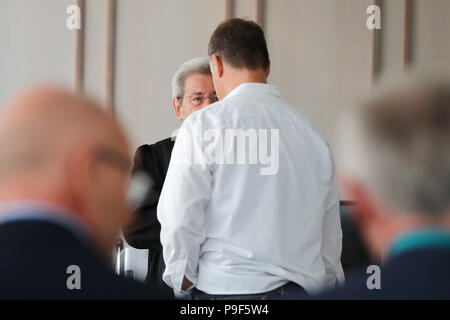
241, 44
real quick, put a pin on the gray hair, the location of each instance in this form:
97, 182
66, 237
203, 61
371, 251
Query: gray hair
397, 144
196, 65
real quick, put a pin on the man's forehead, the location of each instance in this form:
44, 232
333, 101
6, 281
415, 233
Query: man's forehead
201, 93
199, 83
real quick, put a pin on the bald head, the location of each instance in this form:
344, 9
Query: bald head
64, 149
41, 125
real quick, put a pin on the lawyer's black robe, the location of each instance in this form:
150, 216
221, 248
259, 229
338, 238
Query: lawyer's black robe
145, 232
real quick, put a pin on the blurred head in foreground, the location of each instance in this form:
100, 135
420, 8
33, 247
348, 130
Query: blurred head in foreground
64, 150
395, 160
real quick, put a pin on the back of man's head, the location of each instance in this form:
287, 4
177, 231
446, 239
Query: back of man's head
401, 145
63, 149
241, 44
238, 54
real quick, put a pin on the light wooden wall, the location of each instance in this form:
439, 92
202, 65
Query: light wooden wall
35, 45
323, 56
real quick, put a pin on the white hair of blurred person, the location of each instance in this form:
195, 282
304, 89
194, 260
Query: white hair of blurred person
396, 144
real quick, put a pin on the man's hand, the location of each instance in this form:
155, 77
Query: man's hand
186, 284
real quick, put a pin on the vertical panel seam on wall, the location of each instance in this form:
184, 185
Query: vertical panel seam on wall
376, 45
229, 8
407, 34
260, 13
79, 49
110, 55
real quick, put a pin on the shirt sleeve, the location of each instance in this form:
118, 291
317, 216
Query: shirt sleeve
181, 208
332, 238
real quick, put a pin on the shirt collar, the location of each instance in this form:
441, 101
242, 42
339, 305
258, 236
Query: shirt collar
32, 210
251, 88
420, 239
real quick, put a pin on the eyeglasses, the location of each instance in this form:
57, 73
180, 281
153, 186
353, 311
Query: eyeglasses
112, 157
198, 100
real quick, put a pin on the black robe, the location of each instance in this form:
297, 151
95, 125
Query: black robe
145, 232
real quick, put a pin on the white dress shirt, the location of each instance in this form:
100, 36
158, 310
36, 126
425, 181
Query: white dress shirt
232, 228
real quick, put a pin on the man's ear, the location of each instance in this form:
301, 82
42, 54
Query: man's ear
365, 210
217, 66
268, 70
178, 108
79, 173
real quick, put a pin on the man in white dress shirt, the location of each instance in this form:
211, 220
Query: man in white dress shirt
250, 205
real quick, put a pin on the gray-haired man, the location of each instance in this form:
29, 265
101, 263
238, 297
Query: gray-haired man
192, 89
395, 161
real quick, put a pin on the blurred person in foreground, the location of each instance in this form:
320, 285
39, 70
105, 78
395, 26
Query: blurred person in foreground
395, 156
192, 89
63, 188
249, 229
